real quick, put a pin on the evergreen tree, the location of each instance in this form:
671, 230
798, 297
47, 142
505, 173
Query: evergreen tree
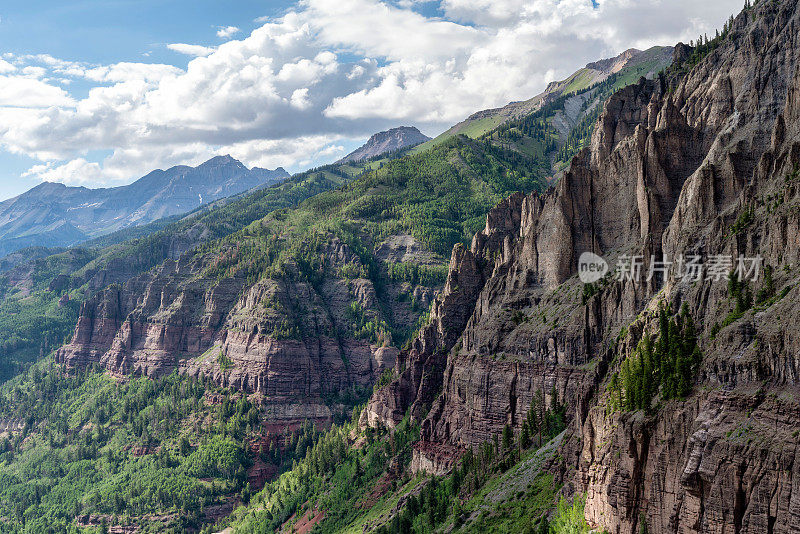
669, 365
544, 526
508, 438
767, 287
648, 386
185, 448
627, 383
525, 437
733, 284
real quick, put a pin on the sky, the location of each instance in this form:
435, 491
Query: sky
97, 93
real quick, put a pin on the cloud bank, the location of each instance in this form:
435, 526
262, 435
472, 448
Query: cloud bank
324, 72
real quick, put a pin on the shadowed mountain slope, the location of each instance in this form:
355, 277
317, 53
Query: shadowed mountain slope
53, 214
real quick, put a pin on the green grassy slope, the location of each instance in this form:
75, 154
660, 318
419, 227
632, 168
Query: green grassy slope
32, 322
537, 135
472, 128
579, 81
583, 82
161, 454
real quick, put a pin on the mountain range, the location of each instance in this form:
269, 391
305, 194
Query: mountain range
408, 346
579, 93
53, 214
56, 215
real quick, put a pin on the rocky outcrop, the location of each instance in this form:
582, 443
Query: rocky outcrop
724, 460
569, 114
526, 330
434, 457
388, 141
420, 366
614, 64
282, 339
703, 162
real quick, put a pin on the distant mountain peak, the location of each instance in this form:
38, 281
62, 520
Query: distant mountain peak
48, 186
54, 214
278, 171
386, 141
614, 64
219, 161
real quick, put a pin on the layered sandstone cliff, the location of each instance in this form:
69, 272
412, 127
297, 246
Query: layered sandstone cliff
284, 339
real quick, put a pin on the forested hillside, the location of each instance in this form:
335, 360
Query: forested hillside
172, 451
402, 345
40, 298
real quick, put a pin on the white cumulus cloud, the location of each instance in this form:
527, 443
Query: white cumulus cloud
75, 172
191, 49
5, 67
302, 85
30, 92
226, 32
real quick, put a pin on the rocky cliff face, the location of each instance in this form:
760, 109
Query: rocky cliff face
419, 368
703, 163
287, 341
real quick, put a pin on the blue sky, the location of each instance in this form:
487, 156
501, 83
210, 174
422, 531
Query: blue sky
98, 93
110, 31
